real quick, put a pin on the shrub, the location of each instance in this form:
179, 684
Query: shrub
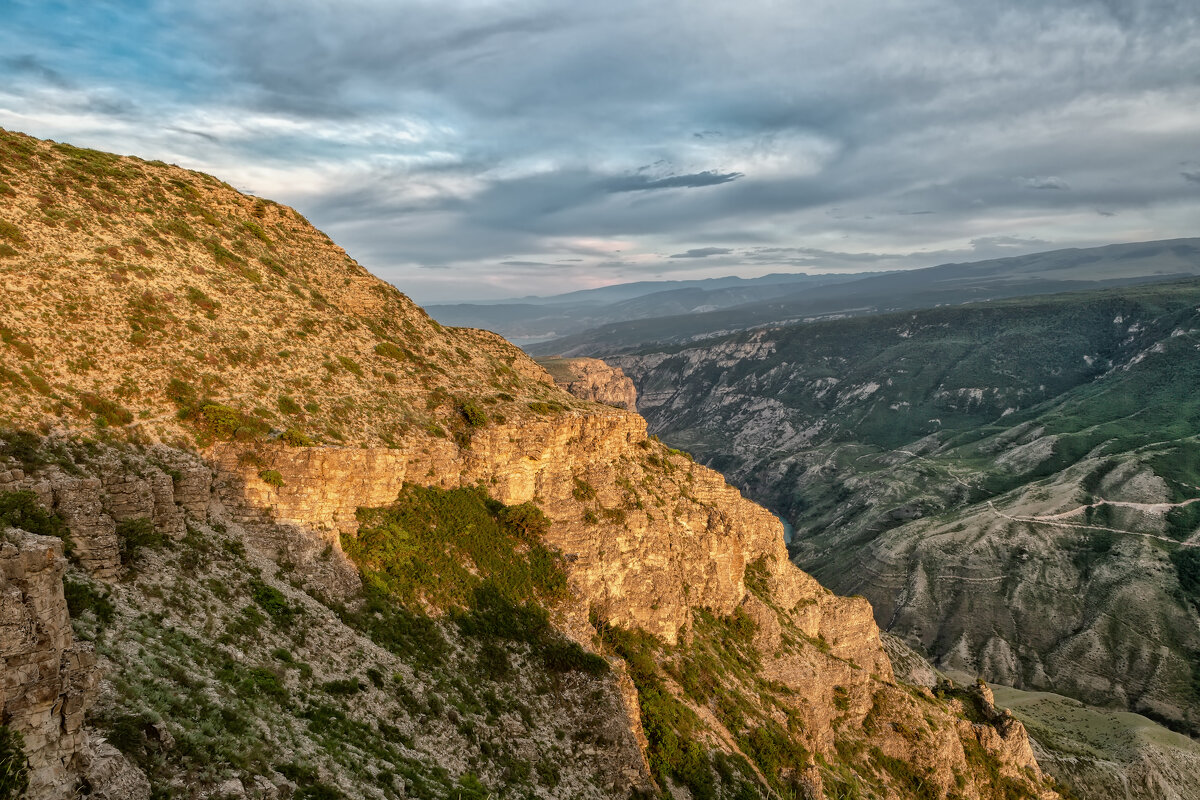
392, 351
288, 405
108, 412
256, 231
296, 438
134, 535
272, 601
263, 682
11, 232
526, 520
218, 421
14, 766
10, 338
82, 598
23, 510
350, 365
221, 421
181, 393
539, 407
343, 687
475, 416
23, 446
199, 298
271, 477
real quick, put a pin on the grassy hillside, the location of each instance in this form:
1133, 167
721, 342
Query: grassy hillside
161, 302
1104, 753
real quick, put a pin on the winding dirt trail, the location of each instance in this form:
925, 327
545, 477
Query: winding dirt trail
1054, 520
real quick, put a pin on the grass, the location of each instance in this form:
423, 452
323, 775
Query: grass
461, 551
672, 729
433, 545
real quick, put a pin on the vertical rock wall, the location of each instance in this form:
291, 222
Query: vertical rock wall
47, 680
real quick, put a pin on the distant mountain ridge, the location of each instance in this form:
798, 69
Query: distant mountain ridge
558, 315
1050, 272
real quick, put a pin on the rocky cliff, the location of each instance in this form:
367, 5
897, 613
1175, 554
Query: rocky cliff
592, 379
48, 679
242, 425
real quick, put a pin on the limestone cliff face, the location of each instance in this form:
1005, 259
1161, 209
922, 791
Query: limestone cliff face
592, 379
47, 680
650, 535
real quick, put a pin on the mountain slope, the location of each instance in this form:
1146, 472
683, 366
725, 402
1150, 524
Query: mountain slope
322, 546
1010, 484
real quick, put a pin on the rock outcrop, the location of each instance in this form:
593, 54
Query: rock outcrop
592, 379
162, 488
47, 680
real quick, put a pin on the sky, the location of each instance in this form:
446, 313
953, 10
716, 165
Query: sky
473, 149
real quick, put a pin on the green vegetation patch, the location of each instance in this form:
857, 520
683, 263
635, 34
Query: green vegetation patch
437, 546
14, 766
215, 421
11, 232
271, 477
472, 413
350, 365
23, 510
672, 729
546, 408
135, 535
83, 598
109, 413
1187, 570
394, 352
462, 551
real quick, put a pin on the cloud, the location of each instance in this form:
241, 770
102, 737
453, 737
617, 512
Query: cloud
643, 183
703, 252
29, 64
1048, 182
986, 242
836, 135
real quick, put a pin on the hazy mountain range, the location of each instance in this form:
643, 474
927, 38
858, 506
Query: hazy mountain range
823, 297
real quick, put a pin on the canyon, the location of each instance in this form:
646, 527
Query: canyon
235, 443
